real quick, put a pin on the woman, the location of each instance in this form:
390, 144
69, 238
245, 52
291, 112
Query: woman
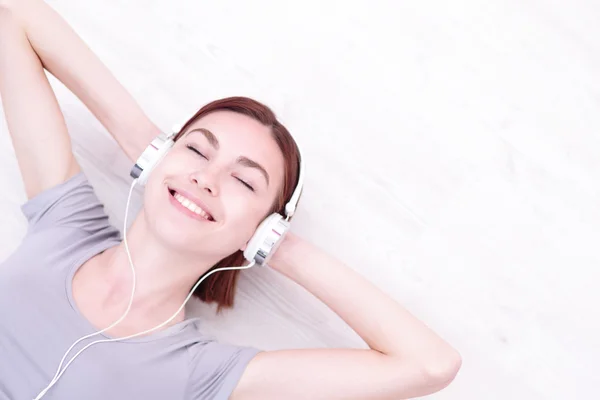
71, 276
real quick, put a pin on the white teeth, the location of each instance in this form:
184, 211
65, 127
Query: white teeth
191, 205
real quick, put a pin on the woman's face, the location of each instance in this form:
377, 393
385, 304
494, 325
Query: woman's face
214, 187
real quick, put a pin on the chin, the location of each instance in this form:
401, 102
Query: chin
186, 238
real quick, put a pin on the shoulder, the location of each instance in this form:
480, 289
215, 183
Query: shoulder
72, 203
66, 224
216, 368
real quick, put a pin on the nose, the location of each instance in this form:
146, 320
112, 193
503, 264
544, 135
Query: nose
206, 180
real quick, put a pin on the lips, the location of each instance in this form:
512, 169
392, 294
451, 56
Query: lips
191, 205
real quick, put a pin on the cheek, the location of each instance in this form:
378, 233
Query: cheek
239, 210
244, 215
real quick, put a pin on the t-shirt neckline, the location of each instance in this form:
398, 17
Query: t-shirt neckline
95, 250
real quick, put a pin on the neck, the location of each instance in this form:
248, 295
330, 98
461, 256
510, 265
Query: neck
164, 275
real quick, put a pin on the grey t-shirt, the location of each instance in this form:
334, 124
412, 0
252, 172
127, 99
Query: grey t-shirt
39, 319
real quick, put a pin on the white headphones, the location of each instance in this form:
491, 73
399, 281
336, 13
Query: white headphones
271, 231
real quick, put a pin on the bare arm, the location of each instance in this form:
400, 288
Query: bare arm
35, 122
64, 54
406, 359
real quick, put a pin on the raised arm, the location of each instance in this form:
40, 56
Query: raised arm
64, 54
36, 125
406, 359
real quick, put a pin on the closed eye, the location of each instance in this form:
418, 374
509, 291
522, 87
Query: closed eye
245, 184
195, 150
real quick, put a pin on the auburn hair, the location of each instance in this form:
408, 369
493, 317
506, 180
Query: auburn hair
220, 287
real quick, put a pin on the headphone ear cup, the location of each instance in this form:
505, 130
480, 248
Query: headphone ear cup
151, 157
266, 239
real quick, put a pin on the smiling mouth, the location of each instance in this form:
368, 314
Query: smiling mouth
190, 205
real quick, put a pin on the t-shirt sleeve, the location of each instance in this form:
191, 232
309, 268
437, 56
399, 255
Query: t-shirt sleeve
72, 203
216, 369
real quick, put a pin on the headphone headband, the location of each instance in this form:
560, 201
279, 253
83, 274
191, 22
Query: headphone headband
290, 207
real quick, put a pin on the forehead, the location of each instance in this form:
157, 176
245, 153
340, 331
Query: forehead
231, 123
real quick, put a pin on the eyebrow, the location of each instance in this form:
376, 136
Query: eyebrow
242, 160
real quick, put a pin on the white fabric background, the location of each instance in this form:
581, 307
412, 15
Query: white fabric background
452, 158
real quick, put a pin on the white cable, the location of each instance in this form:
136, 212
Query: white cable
55, 378
59, 373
